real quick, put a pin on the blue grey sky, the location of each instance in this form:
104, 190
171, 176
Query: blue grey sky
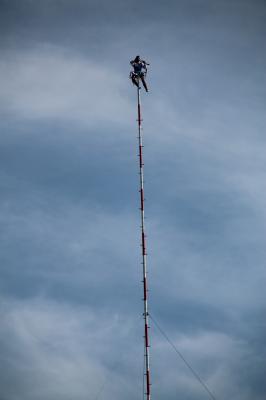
71, 309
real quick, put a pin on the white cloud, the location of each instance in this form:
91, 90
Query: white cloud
61, 351
51, 83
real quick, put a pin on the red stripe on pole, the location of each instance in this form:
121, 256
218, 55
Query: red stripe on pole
141, 199
140, 157
143, 244
148, 382
146, 336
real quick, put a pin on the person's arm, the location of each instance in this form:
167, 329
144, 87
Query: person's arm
145, 62
144, 65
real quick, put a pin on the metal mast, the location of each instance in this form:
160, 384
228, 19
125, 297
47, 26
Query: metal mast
144, 262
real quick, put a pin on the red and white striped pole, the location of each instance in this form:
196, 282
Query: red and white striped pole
144, 262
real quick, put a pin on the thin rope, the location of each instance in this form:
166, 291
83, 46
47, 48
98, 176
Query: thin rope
183, 359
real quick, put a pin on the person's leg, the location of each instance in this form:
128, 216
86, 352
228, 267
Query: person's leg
144, 83
135, 80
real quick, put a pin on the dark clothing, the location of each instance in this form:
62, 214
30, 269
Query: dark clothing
136, 77
140, 70
138, 66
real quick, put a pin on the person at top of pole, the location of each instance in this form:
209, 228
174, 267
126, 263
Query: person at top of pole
139, 72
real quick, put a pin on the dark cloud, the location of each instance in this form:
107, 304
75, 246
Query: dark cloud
70, 258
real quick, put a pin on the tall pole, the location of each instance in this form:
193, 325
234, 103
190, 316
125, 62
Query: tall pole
144, 262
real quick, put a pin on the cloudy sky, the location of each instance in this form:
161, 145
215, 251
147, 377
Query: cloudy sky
71, 309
